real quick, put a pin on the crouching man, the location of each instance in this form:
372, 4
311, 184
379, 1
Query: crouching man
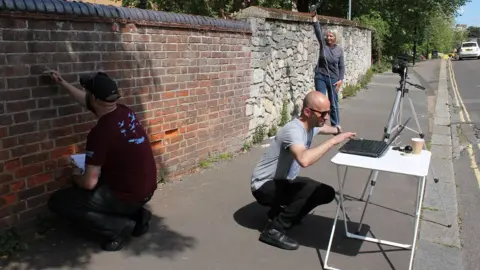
120, 170
274, 181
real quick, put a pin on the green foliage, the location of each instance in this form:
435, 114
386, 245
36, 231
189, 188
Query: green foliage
440, 31
259, 134
400, 26
473, 32
284, 117
162, 175
215, 158
272, 131
381, 32
11, 243
246, 146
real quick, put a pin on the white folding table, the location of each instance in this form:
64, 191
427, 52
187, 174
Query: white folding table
392, 161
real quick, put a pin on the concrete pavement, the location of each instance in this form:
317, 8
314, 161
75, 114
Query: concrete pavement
439, 246
211, 221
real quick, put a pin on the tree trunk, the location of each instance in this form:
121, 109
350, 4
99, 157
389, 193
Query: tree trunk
414, 44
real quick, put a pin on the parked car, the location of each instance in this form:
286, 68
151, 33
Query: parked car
469, 49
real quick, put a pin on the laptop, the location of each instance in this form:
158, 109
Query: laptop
369, 148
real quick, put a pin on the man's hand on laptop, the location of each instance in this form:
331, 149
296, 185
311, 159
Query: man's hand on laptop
343, 136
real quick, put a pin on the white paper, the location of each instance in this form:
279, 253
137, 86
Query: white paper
79, 161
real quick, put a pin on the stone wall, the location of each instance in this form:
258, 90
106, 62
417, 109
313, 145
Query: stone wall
284, 55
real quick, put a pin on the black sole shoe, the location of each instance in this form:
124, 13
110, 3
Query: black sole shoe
143, 223
283, 242
116, 244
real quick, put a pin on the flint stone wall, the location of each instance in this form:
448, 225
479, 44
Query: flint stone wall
284, 55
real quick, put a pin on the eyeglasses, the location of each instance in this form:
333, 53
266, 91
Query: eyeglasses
322, 114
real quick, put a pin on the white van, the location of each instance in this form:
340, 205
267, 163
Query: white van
469, 49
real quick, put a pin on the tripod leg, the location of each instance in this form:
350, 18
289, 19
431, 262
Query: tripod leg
419, 129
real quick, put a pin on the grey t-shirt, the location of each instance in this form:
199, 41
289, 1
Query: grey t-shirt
277, 162
334, 56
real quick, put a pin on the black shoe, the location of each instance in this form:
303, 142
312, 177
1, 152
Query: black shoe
116, 243
276, 238
142, 222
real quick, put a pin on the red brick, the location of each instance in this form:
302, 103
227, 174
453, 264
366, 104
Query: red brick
18, 106
35, 158
28, 171
14, 83
10, 95
8, 199
43, 114
5, 177
22, 129
4, 189
17, 185
24, 150
62, 151
66, 141
31, 192
22, 117
39, 179
83, 127
12, 165
64, 121
60, 132
49, 165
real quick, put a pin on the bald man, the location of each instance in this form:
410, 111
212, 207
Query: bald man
275, 182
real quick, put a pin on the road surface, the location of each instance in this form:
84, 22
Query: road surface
466, 83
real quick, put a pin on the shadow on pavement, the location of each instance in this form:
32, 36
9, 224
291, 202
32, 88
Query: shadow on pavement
68, 247
314, 232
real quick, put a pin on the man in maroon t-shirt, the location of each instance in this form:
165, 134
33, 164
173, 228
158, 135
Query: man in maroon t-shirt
120, 173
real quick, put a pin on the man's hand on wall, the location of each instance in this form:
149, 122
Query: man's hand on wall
55, 75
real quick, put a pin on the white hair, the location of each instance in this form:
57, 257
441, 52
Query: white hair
335, 34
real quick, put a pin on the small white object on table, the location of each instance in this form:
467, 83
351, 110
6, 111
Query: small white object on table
392, 161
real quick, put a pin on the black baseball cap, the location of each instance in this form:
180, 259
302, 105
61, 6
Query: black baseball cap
101, 86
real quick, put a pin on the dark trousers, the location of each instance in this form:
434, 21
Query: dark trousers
325, 85
98, 210
291, 200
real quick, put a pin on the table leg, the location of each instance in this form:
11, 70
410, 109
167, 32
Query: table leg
341, 185
418, 211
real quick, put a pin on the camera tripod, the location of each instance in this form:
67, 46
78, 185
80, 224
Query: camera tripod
396, 117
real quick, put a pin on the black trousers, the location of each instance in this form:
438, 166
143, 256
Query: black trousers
98, 210
291, 200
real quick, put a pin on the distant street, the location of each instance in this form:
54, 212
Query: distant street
468, 84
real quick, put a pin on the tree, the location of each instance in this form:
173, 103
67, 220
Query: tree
473, 32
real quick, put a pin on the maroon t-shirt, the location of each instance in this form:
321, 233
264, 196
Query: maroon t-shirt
120, 145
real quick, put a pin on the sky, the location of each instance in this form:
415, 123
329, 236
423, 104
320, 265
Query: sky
469, 14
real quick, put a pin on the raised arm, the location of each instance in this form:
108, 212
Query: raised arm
318, 31
77, 94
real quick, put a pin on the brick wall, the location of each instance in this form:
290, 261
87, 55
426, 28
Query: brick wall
186, 77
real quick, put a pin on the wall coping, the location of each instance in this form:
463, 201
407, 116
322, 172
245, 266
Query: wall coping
73, 10
286, 15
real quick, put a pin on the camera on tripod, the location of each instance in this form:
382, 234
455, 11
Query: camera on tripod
400, 64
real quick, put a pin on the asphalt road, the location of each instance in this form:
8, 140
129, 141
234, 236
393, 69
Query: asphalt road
468, 191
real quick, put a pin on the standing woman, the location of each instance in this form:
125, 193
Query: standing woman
330, 70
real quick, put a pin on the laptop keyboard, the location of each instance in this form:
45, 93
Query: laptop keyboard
369, 145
